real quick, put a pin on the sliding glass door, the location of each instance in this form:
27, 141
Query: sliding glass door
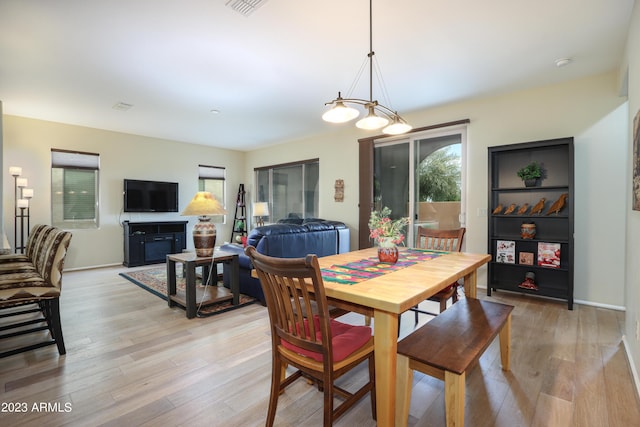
422, 177
392, 177
292, 190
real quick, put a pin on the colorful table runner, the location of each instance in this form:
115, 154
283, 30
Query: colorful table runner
368, 268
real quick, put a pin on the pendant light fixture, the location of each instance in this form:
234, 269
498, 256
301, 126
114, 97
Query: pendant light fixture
378, 116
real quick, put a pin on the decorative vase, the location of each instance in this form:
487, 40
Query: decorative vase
387, 250
531, 182
528, 230
529, 282
204, 237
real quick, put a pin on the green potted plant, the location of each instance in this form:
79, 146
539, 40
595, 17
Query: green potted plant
530, 174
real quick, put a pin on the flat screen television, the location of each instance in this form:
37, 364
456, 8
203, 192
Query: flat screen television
150, 196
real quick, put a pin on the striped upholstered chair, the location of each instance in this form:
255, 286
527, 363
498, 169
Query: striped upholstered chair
30, 286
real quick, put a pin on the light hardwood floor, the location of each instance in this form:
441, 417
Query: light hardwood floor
133, 361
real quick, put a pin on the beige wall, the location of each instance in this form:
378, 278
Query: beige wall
632, 276
588, 109
28, 143
4, 243
607, 270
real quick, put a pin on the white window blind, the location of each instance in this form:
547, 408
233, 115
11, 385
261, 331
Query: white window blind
70, 159
74, 189
212, 179
210, 172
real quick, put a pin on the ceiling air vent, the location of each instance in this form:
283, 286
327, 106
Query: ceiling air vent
122, 106
245, 7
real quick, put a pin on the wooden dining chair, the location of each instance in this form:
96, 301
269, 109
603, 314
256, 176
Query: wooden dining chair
440, 240
305, 337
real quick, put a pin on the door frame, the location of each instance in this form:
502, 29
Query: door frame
366, 148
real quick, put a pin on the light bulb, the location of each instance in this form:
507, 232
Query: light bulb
340, 113
398, 127
372, 121
27, 193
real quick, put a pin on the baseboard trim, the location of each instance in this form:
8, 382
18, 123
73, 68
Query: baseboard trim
93, 267
632, 365
576, 301
600, 305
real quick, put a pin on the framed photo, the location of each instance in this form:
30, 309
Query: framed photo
526, 258
506, 251
636, 163
549, 255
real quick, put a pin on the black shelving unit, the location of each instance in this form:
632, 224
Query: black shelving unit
240, 218
506, 188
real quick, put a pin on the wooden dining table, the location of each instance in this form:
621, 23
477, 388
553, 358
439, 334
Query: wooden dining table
386, 296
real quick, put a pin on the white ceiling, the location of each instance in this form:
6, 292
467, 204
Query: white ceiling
270, 73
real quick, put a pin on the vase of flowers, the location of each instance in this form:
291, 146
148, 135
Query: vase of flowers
387, 234
387, 250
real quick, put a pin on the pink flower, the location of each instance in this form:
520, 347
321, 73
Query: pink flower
382, 226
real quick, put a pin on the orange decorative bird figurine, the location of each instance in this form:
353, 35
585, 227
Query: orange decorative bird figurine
537, 208
523, 209
510, 209
498, 209
558, 204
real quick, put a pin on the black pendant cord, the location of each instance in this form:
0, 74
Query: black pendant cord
371, 52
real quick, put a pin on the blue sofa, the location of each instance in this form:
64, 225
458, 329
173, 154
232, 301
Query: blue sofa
287, 240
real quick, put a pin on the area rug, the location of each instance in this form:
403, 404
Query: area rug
154, 280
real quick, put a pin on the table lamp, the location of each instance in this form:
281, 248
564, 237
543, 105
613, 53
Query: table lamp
260, 210
202, 205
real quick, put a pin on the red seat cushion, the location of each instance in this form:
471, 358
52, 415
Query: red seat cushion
345, 340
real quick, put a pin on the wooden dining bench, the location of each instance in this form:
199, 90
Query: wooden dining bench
449, 346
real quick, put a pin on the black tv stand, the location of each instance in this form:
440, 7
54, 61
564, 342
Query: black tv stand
151, 242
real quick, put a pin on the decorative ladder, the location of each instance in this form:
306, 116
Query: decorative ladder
239, 228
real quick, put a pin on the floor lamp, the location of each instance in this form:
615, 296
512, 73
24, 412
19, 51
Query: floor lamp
21, 206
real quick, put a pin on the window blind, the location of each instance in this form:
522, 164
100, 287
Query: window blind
74, 159
210, 172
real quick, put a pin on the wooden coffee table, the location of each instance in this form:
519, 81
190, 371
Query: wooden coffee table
191, 297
